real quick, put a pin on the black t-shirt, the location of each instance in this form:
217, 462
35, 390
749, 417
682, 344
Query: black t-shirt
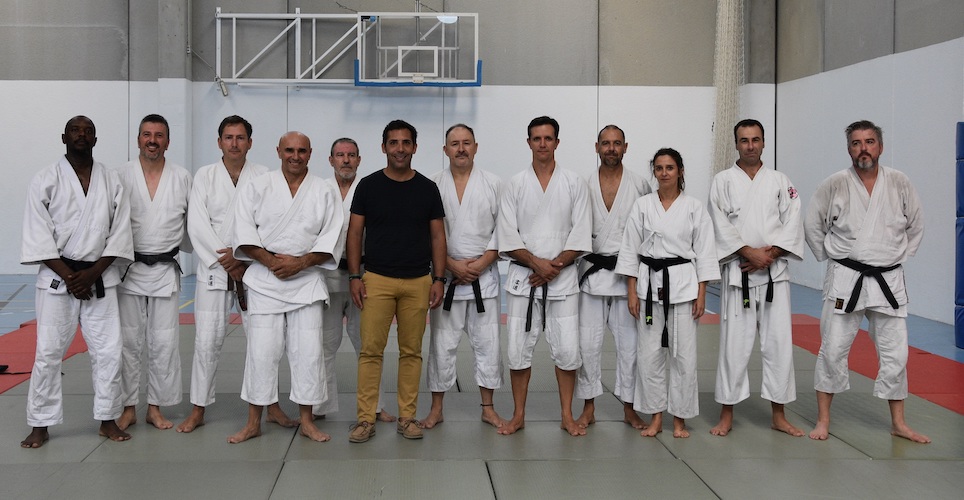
398, 241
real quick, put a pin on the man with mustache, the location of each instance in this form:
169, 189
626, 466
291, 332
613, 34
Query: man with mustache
470, 196
210, 224
148, 293
287, 225
344, 159
867, 222
756, 218
602, 302
76, 224
399, 212
545, 224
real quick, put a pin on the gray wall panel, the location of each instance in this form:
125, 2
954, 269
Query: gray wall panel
47, 41
800, 39
143, 55
761, 42
925, 22
654, 42
857, 30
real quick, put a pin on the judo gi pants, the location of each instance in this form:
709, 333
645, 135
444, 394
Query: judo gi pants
340, 316
154, 320
738, 330
57, 320
445, 335
679, 395
297, 333
596, 312
561, 327
212, 309
406, 300
837, 333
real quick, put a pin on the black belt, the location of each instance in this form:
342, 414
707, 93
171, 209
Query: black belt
599, 262
868, 270
532, 299
746, 288
80, 265
154, 258
450, 296
660, 265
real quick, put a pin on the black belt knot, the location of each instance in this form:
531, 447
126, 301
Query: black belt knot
80, 265
660, 265
450, 296
599, 262
532, 299
746, 288
868, 270
153, 258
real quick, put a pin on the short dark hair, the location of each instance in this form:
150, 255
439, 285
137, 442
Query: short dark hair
399, 125
459, 125
610, 127
864, 125
748, 122
155, 118
543, 120
345, 140
234, 120
678, 158
77, 118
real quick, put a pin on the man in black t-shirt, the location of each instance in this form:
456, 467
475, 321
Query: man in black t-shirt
400, 213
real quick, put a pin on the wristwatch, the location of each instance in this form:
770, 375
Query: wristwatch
442, 279
354, 277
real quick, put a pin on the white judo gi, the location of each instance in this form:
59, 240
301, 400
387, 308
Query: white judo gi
148, 294
210, 225
286, 315
342, 315
683, 231
469, 232
882, 229
756, 212
602, 301
545, 223
61, 221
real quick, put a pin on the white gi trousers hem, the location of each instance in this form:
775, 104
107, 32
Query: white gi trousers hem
212, 309
154, 320
596, 312
340, 317
57, 319
679, 395
482, 330
297, 333
837, 333
738, 330
562, 331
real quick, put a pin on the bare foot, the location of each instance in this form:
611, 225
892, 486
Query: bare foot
903, 431
821, 432
783, 425
569, 425
37, 437
384, 416
311, 432
277, 416
434, 418
632, 418
655, 426
127, 418
245, 434
110, 430
512, 426
587, 418
726, 422
679, 428
155, 418
193, 421
492, 418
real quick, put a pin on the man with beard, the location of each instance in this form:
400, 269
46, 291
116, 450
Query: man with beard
602, 302
344, 159
867, 221
148, 293
76, 223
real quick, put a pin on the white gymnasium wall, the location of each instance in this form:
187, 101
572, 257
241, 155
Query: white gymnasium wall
917, 98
